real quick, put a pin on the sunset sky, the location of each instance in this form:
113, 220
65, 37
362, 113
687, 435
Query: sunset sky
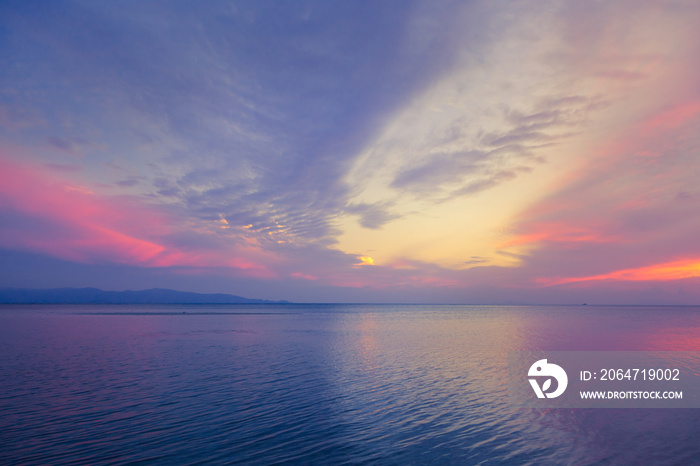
354, 151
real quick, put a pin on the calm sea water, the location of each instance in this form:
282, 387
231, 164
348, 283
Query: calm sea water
320, 384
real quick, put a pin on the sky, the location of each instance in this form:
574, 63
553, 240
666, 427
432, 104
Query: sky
354, 151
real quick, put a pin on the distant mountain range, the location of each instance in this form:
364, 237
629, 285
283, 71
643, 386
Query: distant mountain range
97, 296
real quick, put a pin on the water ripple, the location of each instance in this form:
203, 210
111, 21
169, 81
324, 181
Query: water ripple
319, 385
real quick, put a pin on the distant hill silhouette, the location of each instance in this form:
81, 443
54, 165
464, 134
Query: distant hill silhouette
97, 296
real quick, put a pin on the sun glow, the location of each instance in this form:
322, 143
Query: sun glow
365, 260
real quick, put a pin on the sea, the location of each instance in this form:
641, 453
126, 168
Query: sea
321, 384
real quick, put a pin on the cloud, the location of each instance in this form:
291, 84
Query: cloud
371, 216
66, 221
206, 111
129, 182
438, 170
678, 270
60, 143
246, 111
478, 127
46, 215
286, 141
628, 213
476, 260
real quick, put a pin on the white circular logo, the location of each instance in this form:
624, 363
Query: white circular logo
546, 371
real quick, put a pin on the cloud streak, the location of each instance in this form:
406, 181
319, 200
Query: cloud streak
678, 270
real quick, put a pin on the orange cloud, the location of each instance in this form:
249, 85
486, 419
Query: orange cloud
677, 270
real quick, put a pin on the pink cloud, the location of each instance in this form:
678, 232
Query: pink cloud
304, 276
671, 118
559, 232
69, 221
